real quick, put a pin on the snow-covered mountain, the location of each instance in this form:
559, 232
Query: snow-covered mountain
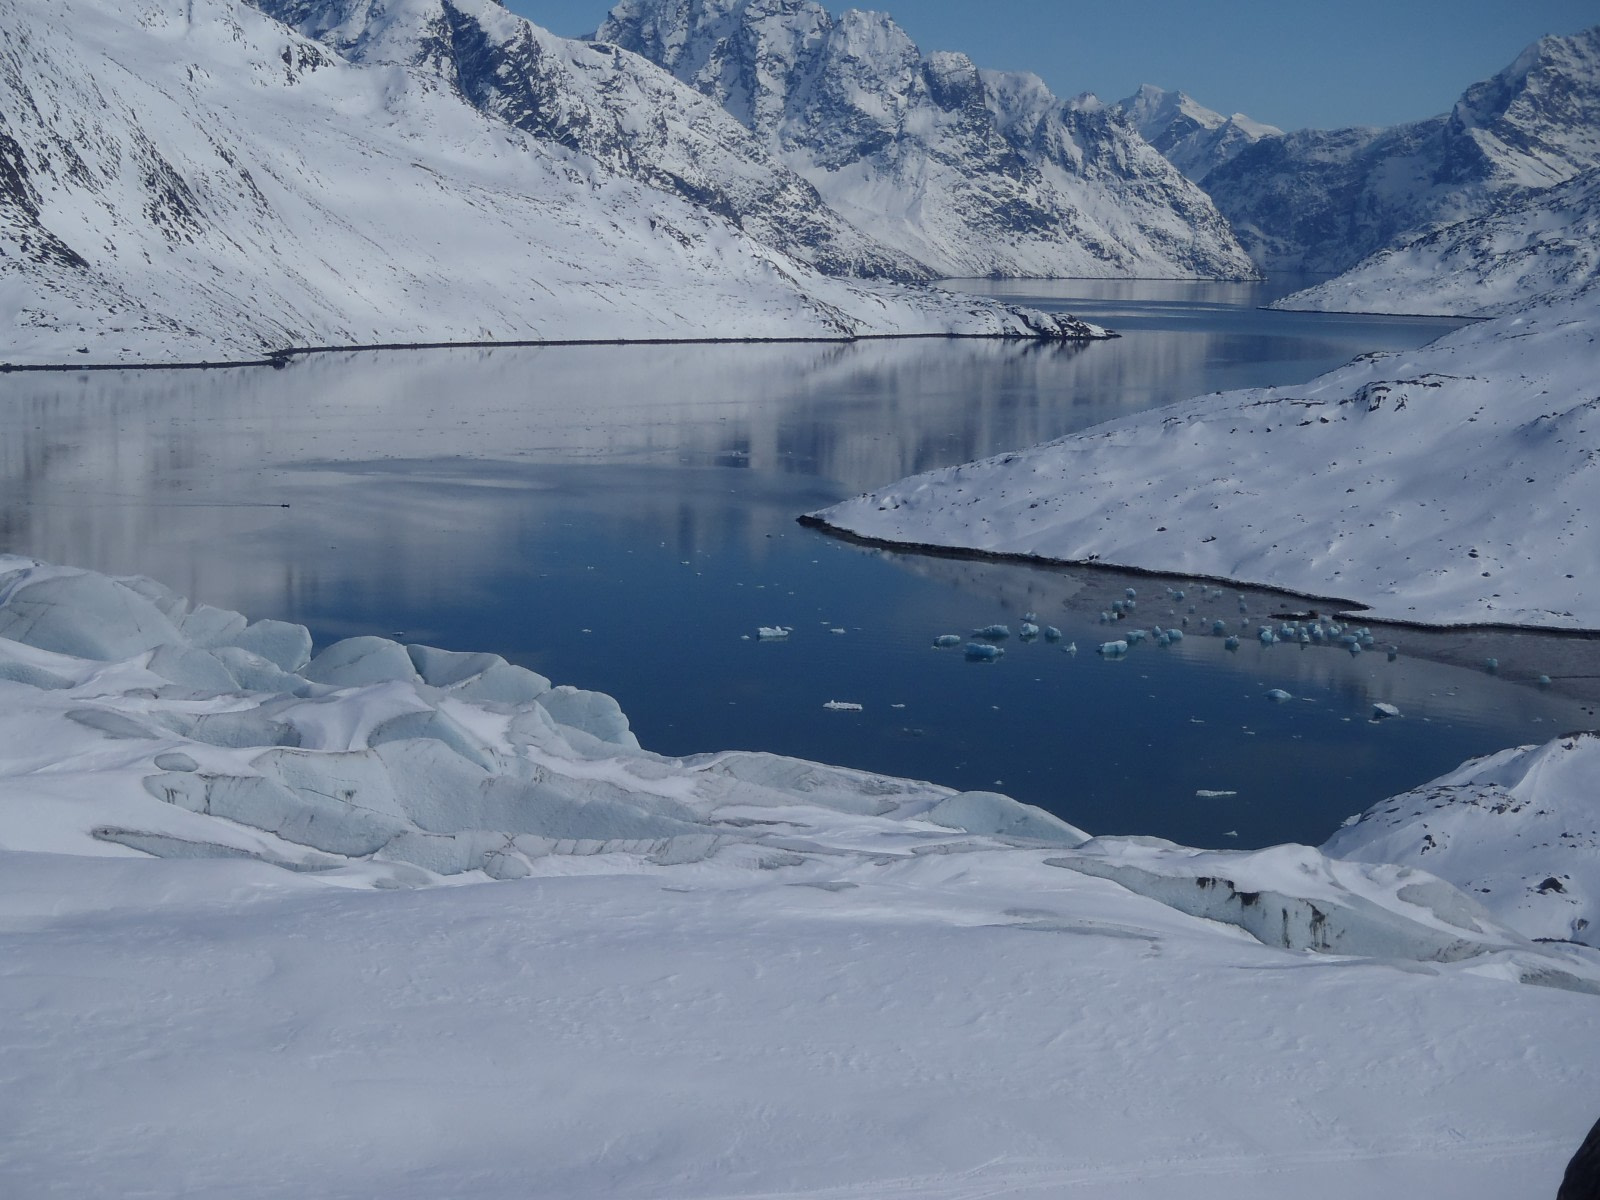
194, 181
973, 172
1325, 199
1543, 247
616, 108
1449, 485
1192, 137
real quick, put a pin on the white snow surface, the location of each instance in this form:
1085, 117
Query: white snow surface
1449, 485
1542, 248
1518, 830
184, 181
739, 974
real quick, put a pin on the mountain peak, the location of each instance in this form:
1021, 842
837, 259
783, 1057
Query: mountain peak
974, 172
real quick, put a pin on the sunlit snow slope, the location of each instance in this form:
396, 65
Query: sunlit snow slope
1452, 484
195, 181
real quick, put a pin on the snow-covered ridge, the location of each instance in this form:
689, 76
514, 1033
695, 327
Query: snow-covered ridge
1326, 199
1543, 247
616, 108
973, 172
1192, 137
197, 182
1450, 485
1518, 830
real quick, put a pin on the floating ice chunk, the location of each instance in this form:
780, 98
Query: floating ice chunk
946, 640
1393, 652
1491, 665
1382, 710
842, 706
1231, 642
361, 662
1070, 648
1213, 793
1174, 635
1355, 649
1544, 681
1265, 636
1028, 631
1113, 649
1279, 695
1130, 593
993, 632
773, 633
1031, 617
1134, 636
1052, 634
982, 652
1219, 628
992, 813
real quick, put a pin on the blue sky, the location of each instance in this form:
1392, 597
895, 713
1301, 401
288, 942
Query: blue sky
1292, 63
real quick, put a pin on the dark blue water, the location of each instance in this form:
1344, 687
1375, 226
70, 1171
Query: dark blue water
623, 519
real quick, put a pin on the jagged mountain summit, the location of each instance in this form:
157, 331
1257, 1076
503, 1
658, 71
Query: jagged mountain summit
973, 172
1541, 248
616, 108
1192, 137
192, 180
1325, 199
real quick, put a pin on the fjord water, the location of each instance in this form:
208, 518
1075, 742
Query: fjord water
623, 518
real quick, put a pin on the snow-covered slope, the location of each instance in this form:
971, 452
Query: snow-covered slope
973, 172
189, 181
1518, 830
226, 972
1453, 484
1189, 135
1544, 247
1325, 199
616, 108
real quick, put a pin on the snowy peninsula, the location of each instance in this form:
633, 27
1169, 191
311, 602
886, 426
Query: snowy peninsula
404, 918
1447, 486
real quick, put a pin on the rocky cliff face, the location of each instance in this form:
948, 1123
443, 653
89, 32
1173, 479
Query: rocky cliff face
973, 172
1539, 248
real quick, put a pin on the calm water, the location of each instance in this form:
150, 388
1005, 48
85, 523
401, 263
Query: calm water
623, 519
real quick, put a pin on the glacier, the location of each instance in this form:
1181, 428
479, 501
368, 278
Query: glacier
280, 919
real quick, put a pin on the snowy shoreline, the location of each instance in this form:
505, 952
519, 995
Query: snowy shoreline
282, 358
1443, 487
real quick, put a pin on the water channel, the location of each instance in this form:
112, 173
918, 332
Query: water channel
623, 518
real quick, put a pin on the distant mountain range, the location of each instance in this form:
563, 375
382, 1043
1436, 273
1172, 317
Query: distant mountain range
221, 180
969, 171
1323, 200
